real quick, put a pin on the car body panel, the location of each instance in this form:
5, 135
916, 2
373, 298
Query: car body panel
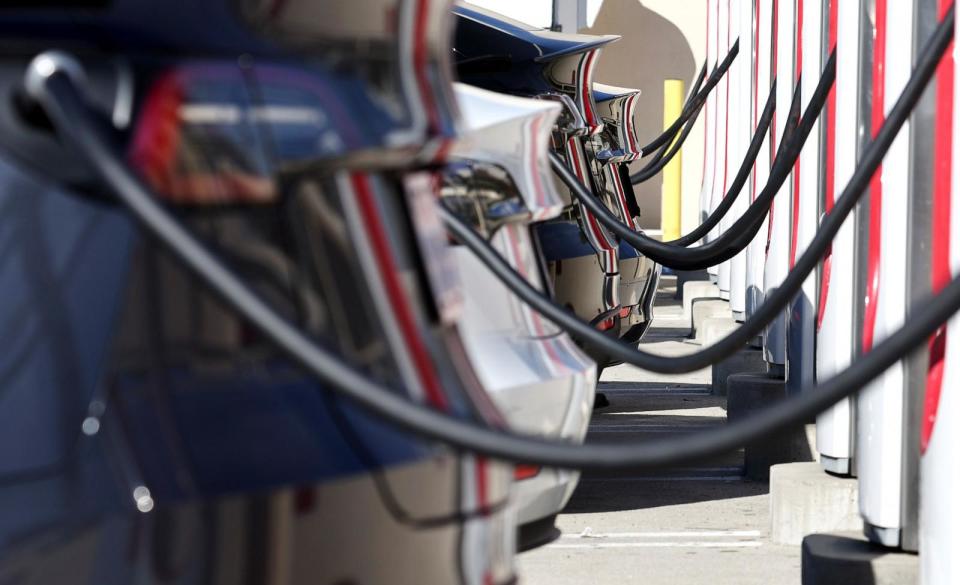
613, 148
539, 379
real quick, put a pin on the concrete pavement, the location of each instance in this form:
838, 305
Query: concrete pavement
700, 524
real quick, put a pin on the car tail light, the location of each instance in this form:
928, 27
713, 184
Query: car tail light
212, 133
521, 472
197, 140
606, 324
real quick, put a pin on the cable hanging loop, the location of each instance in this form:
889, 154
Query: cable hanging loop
741, 178
693, 104
738, 236
688, 104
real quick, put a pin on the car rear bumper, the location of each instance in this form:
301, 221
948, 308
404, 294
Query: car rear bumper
544, 495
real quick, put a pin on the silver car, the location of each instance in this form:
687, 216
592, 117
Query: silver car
542, 382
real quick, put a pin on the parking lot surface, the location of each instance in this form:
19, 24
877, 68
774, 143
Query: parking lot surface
701, 524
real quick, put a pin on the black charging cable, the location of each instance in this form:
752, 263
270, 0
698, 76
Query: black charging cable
49, 82
739, 235
694, 102
740, 180
666, 149
695, 90
743, 173
666, 153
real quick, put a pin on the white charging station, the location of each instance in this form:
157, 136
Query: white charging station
939, 472
836, 342
778, 247
710, 117
762, 79
741, 109
808, 188
722, 126
732, 124
940, 429
880, 405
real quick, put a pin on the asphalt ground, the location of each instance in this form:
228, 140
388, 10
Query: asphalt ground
702, 524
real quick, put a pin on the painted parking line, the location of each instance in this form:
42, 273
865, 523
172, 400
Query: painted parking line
655, 544
642, 428
587, 539
656, 391
726, 478
587, 533
723, 473
647, 388
703, 412
703, 397
700, 470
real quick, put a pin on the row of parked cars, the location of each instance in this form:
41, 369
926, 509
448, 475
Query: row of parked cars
149, 434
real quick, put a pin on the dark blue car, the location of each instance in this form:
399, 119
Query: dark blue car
149, 433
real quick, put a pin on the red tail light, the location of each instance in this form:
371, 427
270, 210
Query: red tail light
197, 141
606, 324
521, 472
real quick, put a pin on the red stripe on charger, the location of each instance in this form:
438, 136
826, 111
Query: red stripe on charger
878, 115
940, 241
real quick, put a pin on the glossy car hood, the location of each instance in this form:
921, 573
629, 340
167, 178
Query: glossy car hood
541, 45
501, 54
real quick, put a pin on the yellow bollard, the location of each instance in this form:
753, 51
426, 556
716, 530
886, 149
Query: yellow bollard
670, 195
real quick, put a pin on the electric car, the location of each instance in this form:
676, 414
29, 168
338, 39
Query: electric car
500, 54
610, 151
499, 180
150, 433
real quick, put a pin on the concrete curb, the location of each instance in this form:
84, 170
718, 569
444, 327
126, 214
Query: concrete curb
703, 309
697, 289
714, 329
804, 500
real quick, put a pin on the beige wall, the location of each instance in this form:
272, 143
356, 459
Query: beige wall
662, 39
